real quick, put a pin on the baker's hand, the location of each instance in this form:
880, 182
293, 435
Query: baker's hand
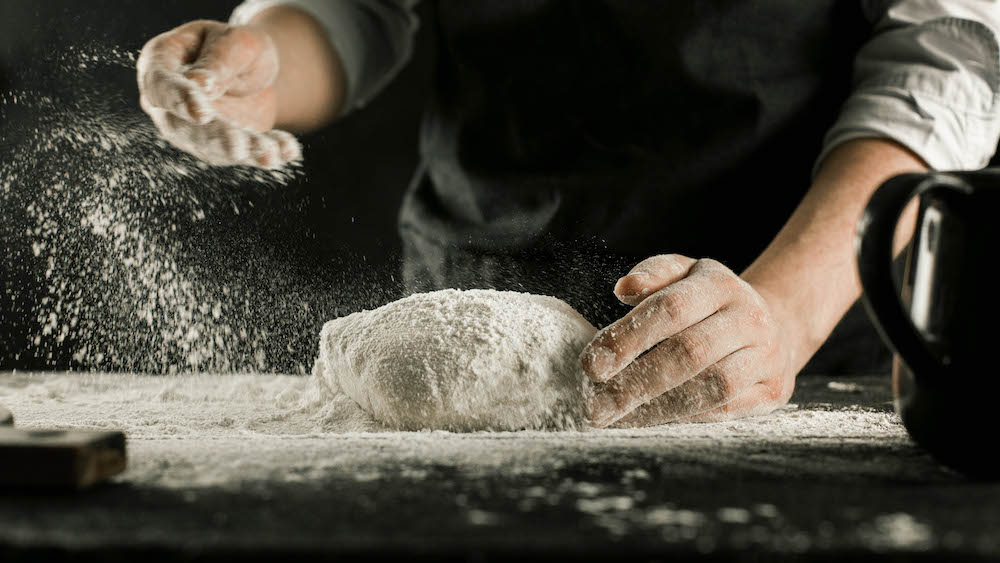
714, 348
209, 88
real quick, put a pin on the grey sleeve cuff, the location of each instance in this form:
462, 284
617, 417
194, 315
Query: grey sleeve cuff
373, 38
933, 87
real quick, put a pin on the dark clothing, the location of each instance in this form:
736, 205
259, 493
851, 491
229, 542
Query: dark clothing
657, 127
567, 140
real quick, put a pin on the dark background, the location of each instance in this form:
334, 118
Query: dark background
339, 217
344, 204
365, 159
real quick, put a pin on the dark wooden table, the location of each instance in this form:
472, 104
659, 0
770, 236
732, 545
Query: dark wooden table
729, 491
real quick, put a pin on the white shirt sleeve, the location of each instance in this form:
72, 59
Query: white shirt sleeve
929, 78
373, 38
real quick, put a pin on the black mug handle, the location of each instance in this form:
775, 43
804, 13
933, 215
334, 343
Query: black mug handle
873, 245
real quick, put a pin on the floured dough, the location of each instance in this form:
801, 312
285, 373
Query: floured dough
461, 360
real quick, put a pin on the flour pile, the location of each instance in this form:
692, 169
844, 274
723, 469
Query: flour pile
462, 360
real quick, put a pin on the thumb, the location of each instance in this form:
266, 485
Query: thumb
652, 275
235, 61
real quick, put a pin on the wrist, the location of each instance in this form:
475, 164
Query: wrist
311, 85
797, 338
808, 273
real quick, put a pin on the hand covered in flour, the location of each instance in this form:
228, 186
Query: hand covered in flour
209, 88
700, 344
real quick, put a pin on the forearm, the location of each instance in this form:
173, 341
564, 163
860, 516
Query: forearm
808, 271
311, 85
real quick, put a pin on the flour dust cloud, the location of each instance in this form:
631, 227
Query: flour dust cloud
119, 252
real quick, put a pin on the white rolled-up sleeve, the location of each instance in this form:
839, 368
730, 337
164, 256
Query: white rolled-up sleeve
373, 38
929, 79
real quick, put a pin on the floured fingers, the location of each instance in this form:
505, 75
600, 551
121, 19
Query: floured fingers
760, 399
174, 93
223, 143
160, 73
730, 388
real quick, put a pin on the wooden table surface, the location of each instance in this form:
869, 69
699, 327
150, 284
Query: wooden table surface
270, 484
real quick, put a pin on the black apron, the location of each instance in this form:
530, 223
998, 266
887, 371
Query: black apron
568, 139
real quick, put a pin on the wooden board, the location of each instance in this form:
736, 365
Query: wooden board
59, 458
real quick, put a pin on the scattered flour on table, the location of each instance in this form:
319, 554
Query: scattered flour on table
246, 433
849, 387
898, 530
461, 360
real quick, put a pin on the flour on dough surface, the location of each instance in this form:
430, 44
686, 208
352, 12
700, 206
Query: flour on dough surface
461, 360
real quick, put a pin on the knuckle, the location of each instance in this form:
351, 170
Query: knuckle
151, 81
197, 29
609, 337
638, 386
752, 297
758, 316
654, 384
264, 160
718, 274
167, 129
725, 279
709, 265
776, 392
235, 145
172, 122
242, 37
720, 385
264, 151
280, 137
667, 263
673, 258
187, 98
181, 37
626, 391
668, 303
725, 276
157, 44
255, 144
708, 262
747, 292
692, 350
676, 266
198, 25
229, 36
661, 259
159, 76
164, 87
145, 55
235, 32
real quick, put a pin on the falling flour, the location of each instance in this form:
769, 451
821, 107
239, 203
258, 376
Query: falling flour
461, 360
119, 252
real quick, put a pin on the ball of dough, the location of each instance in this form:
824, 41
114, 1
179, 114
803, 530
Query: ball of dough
462, 360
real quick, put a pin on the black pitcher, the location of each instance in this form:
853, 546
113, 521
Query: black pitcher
942, 323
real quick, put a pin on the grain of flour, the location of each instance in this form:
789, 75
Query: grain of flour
461, 360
